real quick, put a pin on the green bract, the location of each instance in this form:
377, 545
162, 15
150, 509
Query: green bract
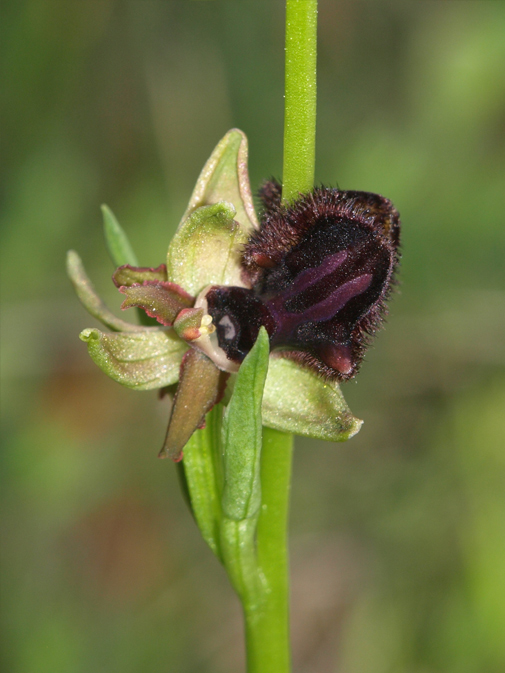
242, 435
206, 250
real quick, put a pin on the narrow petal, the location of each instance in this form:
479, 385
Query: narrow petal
299, 401
201, 386
206, 249
225, 177
162, 301
143, 361
129, 275
91, 301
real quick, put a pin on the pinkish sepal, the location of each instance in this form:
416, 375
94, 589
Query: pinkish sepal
160, 300
129, 275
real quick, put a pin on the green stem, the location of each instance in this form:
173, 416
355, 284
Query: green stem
267, 612
253, 544
266, 607
300, 98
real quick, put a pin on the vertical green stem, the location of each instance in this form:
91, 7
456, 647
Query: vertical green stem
300, 98
258, 567
267, 615
267, 620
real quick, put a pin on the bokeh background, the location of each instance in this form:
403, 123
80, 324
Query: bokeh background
398, 536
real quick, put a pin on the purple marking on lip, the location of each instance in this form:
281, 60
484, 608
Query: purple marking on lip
327, 308
320, 312
309, 277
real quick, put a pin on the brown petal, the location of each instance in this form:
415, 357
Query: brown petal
129, 275
160, 300
201, 386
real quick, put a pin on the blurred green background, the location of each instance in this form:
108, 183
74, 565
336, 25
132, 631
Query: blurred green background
397, 537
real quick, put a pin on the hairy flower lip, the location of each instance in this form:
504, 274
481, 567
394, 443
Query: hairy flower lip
335, 252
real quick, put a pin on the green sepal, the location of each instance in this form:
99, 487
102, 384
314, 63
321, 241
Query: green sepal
242, 435
118, 245
299, 401
225, 177
206, 249
141, 360
89, 298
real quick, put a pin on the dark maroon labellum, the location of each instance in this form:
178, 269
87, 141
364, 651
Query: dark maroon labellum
321, 271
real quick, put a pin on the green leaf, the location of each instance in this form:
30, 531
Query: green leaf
242, 435
297, 400
89, 298
238, 552
225, 177
206, 249
118, 244
141, 360
203, 470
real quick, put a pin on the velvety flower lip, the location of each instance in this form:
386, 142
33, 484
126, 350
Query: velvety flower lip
206, 251
320, 270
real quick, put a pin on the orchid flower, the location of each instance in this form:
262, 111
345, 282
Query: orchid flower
207, 251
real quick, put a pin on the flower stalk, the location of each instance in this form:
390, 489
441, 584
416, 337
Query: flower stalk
300, 98
267, 610
267, 625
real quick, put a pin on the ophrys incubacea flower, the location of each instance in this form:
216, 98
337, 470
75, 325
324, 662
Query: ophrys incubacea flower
315, 274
